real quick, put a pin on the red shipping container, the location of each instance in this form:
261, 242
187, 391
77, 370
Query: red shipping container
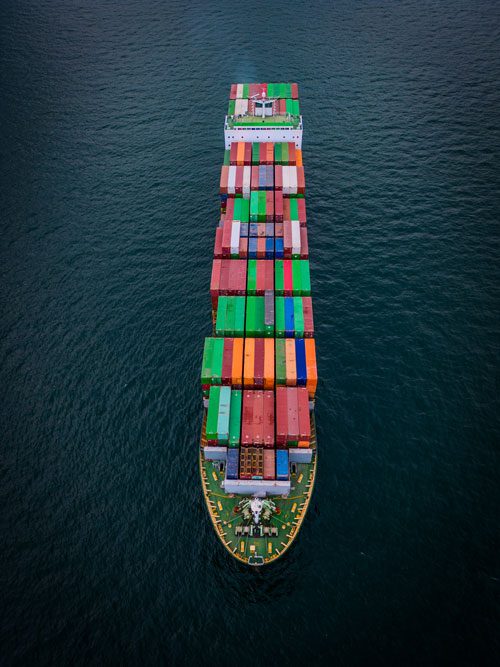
248, 154
252, 89
302, 211
224, 277
233, 152
295, 91
308, 317
292, 156
261, 248
268, 426
227, 362
218, 243
278, 229
293, 414
254, 178
282, 107
269, 206
261, 229
304, 246
269, 464
262, 153
232, 94
238, 186
278, 203
278, 177
258, 418
229, 208
258, 370
262, 89
301, 181
304, 418
243, 249
287, 238
286, 208
281, 417
226, 237
215, 278
287, 277
224, 175
247, 419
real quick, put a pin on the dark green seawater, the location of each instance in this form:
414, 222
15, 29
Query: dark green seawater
111, 119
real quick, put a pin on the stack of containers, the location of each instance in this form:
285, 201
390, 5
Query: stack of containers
222, 363
296, 363
257, 424
223, 426
293, 424
260, 288
258, 368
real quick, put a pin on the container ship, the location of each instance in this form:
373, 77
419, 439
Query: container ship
258, 448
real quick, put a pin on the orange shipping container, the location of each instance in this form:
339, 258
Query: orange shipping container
291, 364
249, 364
237, 369
312, 371
240, 154
298, 157
268, 363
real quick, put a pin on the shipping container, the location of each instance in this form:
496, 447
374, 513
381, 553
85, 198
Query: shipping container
282, 465
232, 463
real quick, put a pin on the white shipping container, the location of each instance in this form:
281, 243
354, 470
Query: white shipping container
286, 180
247, 172
296, 237
239, 90
235, 237
241, 107
293, 180
231, 180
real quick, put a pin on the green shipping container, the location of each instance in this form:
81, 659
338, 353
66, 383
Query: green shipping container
288, 89
226, 158
270, 90
239, 319
230, 108
279, 277
284, 154
305, 277
261, 217
206, 364
230, 316
280, 361
217, 355
252, 277
255, 152
296, 108
296, 277
235, 418
223, 416
277, 152
294, 209
220, 321
245, 90
279, 315
282, 90
212, 413
298, 316
254, 206
245, 210
289, 106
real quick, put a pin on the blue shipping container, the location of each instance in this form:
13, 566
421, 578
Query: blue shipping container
289, 318
269, 248
300, 359
232, 463
243, 230
252, 247
278, 242
253, 229
281, 464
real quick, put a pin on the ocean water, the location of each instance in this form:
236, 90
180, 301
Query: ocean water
111, 121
